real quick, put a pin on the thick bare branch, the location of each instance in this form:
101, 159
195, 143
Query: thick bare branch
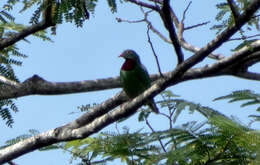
248, 75
165, 14
98, 111
37, 85
68, 132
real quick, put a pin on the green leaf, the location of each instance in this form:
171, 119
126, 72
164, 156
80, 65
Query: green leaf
243, 44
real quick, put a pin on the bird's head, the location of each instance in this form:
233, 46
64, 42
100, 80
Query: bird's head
130, 54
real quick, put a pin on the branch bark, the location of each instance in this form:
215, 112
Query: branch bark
165, 14
37, 85
234, 9
24, 33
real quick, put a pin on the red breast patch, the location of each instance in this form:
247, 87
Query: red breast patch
128, 65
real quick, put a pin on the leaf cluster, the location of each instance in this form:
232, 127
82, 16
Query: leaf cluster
248, 98
76, 11
226, 18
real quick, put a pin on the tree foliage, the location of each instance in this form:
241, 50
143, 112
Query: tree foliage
226, 18
248, 98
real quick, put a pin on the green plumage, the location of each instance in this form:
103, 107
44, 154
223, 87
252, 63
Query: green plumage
134, 77
134, 81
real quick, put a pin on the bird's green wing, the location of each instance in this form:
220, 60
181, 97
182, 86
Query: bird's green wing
143, 76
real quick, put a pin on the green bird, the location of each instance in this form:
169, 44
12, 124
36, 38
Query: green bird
134, 77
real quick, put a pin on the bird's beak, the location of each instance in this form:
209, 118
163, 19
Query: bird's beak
121, 55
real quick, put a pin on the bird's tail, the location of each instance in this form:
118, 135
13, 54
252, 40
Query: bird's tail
153, 106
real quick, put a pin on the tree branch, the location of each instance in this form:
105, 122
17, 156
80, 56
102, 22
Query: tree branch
6, 81
197, 25
244, 37
181, 28
248, 75
165, 14
151, 44
253, 6
234, 9
37, 85
23, 33
153, 131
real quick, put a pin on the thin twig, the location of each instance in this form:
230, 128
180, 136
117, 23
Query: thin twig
185, 11
171, 112
243, 38
116, 126
181, 24
154, 54
157, 32
197, 25
128, 21
151, 128
153, 28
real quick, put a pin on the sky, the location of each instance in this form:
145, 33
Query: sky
92, 52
